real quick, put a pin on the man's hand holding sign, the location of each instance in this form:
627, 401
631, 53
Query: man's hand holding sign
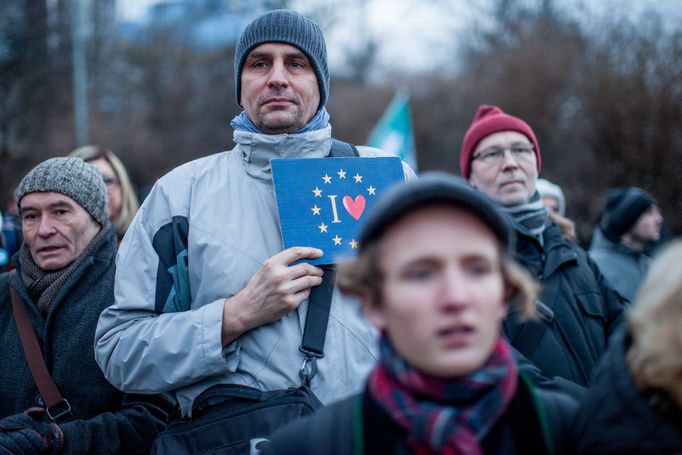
322, 203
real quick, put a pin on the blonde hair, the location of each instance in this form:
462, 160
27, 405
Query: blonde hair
129, 202
655, 357
567, 226
363, 278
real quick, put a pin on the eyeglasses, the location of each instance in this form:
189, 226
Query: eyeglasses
495, 155
110, 181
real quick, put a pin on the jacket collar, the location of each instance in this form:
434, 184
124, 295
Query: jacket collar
601, 242
545, 259
557, 249
258, 149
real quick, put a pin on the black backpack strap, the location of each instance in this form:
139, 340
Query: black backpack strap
320, 301
319, 304
342, 149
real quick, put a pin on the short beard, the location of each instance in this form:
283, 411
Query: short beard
279, 125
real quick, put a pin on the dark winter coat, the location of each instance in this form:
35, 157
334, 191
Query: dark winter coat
579, 310
616, 418
536, 422
106, 420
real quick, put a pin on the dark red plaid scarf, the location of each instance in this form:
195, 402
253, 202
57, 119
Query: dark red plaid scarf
444, 416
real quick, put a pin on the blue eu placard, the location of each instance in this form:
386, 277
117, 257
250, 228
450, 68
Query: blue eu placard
322, 202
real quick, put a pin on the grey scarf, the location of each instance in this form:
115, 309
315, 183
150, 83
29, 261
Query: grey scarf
43, 286
529, 218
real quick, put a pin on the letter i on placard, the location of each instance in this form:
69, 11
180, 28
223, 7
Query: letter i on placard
332, 198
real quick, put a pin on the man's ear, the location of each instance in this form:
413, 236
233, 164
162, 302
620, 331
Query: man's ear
372, 310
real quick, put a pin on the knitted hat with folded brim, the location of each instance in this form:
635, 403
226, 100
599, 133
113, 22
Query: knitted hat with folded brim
554, 191
72, 177
623, 207
289, 27
434, 188
489, 120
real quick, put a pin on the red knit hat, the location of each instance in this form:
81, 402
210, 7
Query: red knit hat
489, 120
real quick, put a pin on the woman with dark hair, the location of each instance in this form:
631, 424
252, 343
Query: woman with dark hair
123, 204
434, 276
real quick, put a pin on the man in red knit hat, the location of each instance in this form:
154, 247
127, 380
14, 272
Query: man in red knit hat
501, 157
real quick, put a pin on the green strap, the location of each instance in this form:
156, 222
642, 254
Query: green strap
540, 408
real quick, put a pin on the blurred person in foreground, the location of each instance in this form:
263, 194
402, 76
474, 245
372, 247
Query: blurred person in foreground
630, 223
121, 196
500, 156
634, 404
206, 296
435, 277
64, 278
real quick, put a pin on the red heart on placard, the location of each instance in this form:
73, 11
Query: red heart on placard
354, 207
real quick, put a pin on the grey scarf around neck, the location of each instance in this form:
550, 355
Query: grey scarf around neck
43, 286
243, 122
530, 217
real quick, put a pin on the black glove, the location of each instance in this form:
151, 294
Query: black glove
30, 433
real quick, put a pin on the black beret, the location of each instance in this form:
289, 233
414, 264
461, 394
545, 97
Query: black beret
434, 188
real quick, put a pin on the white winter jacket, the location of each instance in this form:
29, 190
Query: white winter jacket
203, 231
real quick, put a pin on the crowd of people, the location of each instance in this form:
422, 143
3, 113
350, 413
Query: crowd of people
469, 322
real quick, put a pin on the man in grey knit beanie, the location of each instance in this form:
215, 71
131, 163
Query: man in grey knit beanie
63, 280
63, 206
206, 296
281, 75
289, 27
72, 177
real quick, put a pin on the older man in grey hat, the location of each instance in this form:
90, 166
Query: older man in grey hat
205, 294
63, 280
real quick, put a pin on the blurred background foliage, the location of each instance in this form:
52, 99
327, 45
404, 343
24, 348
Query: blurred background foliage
604, 95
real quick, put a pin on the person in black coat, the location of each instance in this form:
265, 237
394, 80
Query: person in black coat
434, 276
500, 157
634, 405
64, 278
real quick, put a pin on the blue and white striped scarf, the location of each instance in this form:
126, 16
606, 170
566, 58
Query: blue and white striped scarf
319, 121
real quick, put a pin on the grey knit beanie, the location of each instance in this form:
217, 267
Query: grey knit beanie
72, 177
284, 26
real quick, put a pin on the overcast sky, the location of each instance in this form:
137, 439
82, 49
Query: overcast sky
415, 33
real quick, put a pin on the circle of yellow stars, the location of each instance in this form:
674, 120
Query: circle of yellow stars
327, 180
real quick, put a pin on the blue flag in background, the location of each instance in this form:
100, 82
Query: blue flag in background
393, 132
322, 202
